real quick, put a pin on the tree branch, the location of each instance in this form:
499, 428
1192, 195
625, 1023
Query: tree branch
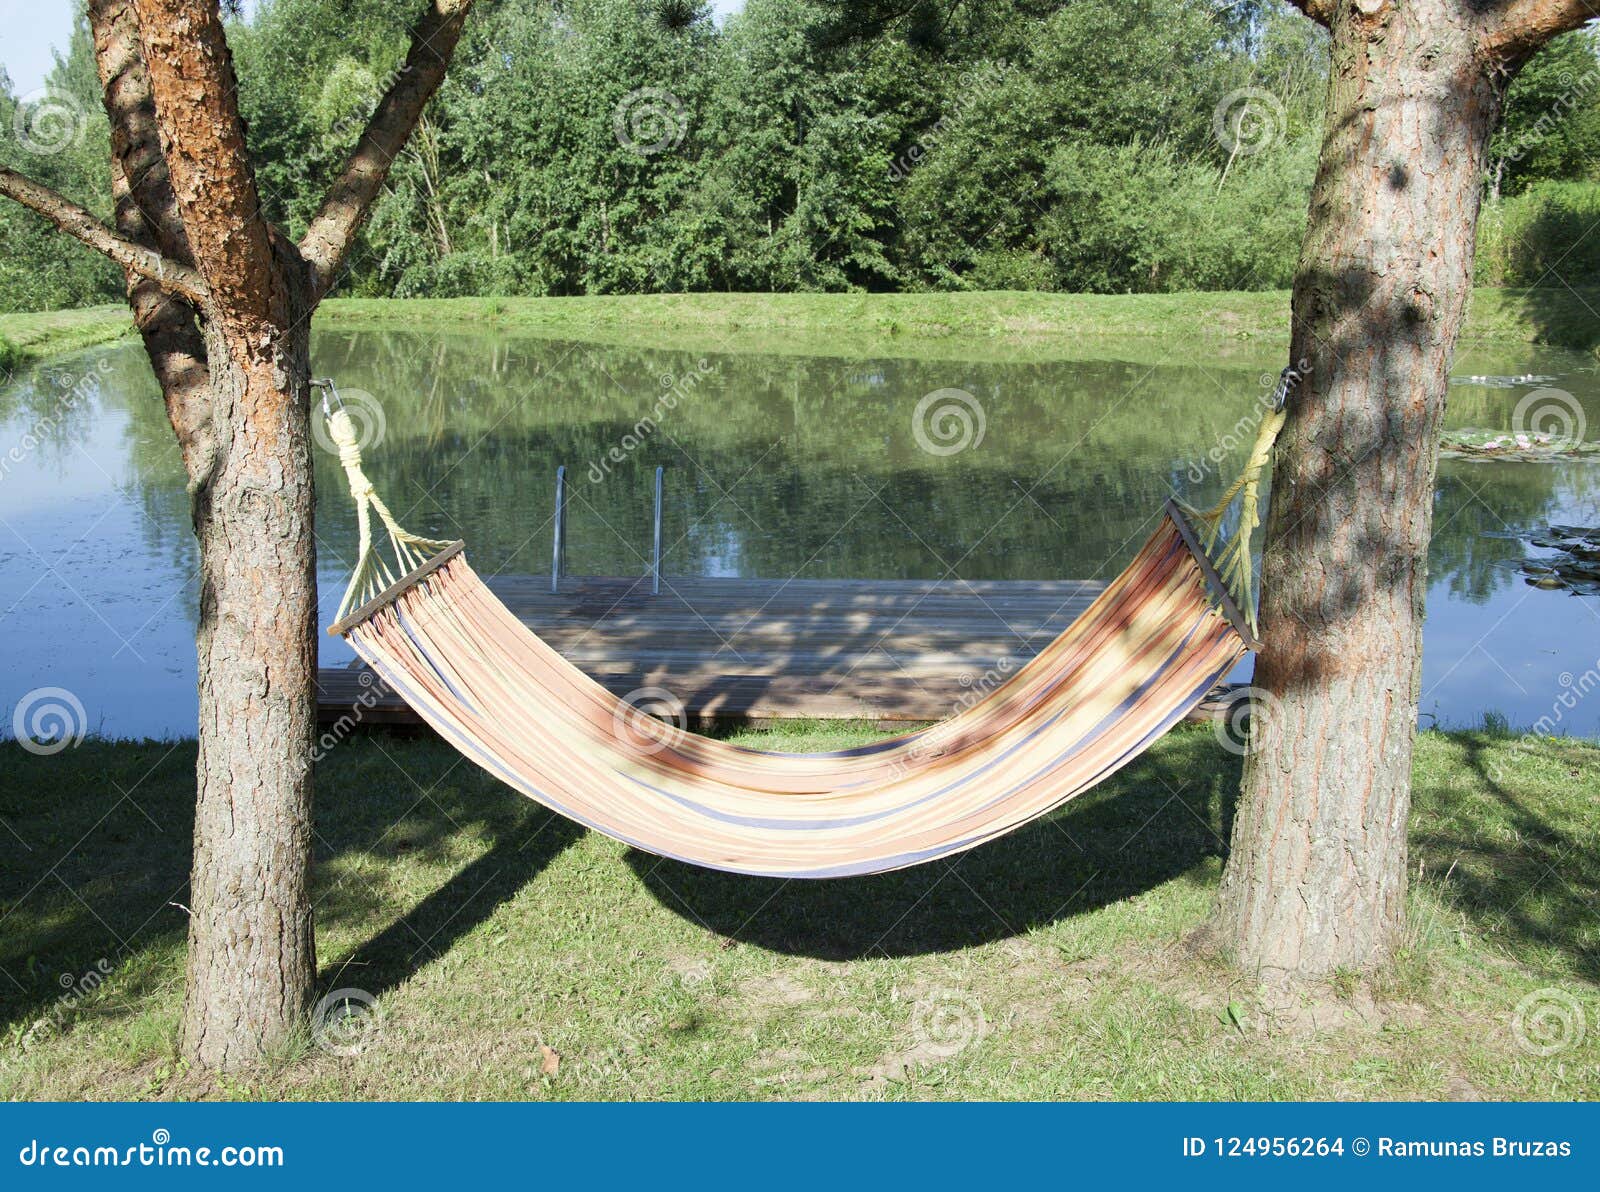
147, 214
213, 183
1320, 11
333, 229
135, 135
1521, 27
80, 224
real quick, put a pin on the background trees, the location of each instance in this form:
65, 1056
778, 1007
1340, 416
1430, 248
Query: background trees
810, 144
59, 137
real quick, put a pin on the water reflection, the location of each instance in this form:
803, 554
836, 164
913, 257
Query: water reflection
777, 465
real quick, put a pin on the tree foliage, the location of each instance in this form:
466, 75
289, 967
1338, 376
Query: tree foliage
624, 146
58, 136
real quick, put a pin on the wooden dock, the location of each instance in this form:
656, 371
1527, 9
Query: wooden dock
752, 650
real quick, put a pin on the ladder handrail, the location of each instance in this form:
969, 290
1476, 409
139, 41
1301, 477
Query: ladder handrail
559, 550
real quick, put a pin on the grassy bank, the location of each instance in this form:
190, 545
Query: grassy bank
1070, 324
1076, 325
25, 338
1055, 963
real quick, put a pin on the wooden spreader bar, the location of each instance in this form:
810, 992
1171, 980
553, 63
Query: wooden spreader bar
395, 590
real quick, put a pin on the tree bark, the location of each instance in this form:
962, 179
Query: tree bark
81, 225
1316, 879
344, 208
147, 214
252, 957
252, 960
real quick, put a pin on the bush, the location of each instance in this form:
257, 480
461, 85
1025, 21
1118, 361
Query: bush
1142, 219
1539, 236
462, 275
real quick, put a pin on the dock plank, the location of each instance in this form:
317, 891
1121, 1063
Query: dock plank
744, 649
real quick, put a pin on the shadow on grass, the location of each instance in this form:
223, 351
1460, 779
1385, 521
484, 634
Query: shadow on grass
1153, 822
1525, 878
95, 847
427, 931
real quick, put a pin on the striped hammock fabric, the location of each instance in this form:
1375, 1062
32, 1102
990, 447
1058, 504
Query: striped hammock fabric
1147, 651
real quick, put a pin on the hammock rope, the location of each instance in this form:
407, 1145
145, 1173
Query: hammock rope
1153, 644
371, 574
1235, 563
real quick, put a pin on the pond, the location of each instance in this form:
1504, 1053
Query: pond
777, 464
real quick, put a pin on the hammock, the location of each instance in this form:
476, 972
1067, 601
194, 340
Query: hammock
1148, 649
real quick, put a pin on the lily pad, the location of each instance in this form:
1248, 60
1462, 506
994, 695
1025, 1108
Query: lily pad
1575, 565
1475, 444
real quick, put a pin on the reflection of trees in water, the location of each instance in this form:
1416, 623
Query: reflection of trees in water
1477, 506
777, 463
49, 410
61, 407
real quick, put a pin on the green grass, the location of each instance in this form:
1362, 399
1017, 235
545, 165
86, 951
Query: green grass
967, 325
1071, 325
30, 337
1055, 963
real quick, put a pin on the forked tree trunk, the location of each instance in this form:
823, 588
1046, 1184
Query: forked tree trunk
1316, 880
252, 960
198, 252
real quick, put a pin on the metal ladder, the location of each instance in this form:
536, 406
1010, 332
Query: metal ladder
558, 554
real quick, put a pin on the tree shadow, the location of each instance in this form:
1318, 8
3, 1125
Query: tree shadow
1520, 877
469, 898
94, 888
1154, 822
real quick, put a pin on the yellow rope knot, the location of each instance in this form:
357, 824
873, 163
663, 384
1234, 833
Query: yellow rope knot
371, 574
1234, 562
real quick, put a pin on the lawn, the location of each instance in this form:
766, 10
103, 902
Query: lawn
1081, 326
513, 955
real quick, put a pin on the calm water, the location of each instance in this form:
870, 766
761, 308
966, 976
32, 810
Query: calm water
777, 465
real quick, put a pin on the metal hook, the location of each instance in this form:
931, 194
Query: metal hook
1287, 379
327, 386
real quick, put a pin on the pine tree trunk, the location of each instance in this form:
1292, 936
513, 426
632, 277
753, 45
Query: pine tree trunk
1316, 880
251, 952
